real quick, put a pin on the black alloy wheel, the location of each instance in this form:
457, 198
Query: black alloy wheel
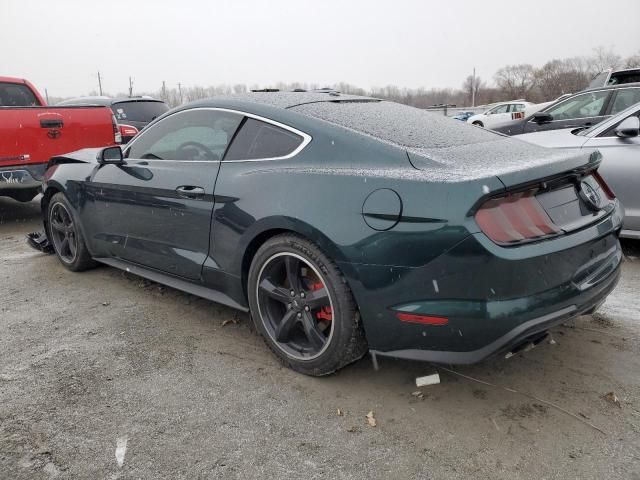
303, 307
295, 305
63, 232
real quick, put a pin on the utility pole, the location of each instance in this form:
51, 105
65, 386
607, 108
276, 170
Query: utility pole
130, 87
99, 83
473, 88
46, 95
164, 91
180, 91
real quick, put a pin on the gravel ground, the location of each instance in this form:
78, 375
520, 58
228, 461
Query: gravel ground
105, 375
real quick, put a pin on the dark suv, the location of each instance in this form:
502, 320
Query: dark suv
134, 111
582, 109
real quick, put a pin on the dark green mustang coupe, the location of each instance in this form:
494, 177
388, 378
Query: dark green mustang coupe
346, 224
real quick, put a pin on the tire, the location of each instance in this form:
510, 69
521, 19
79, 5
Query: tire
478, 124
271, 302
59, 211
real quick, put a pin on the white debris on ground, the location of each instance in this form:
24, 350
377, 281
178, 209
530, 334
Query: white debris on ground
121, 450
428, 380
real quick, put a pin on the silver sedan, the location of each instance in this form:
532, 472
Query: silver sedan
618, 139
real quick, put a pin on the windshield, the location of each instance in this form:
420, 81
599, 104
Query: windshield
138, 111
599, 80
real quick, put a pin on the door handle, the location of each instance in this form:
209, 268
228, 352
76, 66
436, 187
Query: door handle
189, 191
51, 123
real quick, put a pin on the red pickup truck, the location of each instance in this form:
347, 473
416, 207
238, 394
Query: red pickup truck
31, 133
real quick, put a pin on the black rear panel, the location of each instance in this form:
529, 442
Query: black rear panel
573, 205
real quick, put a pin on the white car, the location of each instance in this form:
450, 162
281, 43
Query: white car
500, 114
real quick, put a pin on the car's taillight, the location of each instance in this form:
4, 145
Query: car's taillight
117, 136
515, 218
604, 185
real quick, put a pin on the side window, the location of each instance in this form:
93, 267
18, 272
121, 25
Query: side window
609, 132
257, 139
517, 107
581, 106
624, 99
500, 109
187, 135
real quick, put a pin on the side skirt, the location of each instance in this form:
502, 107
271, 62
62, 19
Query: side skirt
173, 282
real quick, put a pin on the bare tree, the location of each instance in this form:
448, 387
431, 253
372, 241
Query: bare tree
632, 61
516, 80
602, 59
558, 77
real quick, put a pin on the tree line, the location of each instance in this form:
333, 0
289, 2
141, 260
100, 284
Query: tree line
535, 84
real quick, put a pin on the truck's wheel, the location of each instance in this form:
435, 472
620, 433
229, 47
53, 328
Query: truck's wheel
303, 307
66, 235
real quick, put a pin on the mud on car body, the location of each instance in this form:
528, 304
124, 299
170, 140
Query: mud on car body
346, 224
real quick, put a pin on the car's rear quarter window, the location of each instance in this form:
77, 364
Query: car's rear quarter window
257, 139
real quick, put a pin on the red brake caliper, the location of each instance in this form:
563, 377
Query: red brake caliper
325, 313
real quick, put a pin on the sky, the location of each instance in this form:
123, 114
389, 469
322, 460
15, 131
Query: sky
60, 45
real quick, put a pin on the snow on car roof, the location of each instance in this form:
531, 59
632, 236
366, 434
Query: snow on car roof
290, 99
395, 123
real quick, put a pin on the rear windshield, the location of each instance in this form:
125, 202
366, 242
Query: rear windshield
619, 78
17, 95
398, 124
139, 111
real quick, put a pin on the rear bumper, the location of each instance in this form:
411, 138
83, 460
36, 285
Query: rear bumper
492, 297
529, 329
21, 177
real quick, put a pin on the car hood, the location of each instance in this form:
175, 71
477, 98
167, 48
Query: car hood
510, 160
555, 138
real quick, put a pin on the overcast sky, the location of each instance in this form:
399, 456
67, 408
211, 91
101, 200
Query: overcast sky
61, 44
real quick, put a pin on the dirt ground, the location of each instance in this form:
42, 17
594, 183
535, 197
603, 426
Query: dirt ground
105, 375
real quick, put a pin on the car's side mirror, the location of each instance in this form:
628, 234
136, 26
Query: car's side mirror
629, 127
542, 117
111, 155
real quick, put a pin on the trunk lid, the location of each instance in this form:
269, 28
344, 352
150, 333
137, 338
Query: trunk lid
513, 162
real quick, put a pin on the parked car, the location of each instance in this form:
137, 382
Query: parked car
500, 113
618, 141
31, 133
346, 224
132, 113
615, 77
582, 109
463, 116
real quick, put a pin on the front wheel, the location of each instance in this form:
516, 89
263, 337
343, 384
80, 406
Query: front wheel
66, 236
302, 306
478, 124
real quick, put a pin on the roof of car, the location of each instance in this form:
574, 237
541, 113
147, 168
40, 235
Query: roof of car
104, 100
287, 99
610, 87
12, 80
